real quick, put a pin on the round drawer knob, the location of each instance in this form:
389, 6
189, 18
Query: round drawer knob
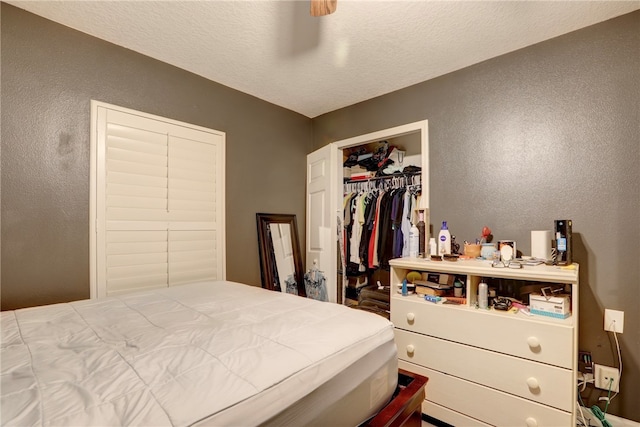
410, 349
533, 342
533, 383
411, 317
531, 422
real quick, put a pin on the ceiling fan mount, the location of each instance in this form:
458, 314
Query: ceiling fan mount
323, 7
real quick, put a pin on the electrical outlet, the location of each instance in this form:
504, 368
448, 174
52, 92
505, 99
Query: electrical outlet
613, 320
605, 375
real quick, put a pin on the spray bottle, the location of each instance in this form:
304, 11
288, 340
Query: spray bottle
483, 293
414, 241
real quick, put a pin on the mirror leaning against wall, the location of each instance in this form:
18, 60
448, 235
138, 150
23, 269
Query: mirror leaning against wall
280, 258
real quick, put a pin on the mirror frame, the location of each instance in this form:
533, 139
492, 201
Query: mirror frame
265, 246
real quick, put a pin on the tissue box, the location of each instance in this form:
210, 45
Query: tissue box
558, 306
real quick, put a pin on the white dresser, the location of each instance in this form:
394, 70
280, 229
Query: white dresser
489, 367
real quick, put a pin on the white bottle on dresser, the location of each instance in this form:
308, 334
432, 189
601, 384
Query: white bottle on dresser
444, 240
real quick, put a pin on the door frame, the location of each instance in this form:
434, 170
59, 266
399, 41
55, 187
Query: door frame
335, 189
337, 147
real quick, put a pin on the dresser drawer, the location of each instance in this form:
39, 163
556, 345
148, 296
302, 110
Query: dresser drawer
542, 383
450, 417
539, 340
482, 403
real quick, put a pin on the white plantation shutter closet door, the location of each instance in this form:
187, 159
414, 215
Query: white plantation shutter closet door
157, 202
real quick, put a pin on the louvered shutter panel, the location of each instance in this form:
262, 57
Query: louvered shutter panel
159, 202
193, 236
136, 260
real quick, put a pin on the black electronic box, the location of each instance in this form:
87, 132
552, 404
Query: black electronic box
563, 241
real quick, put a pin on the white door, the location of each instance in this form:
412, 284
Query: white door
322, 216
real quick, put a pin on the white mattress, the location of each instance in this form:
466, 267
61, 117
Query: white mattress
217, 353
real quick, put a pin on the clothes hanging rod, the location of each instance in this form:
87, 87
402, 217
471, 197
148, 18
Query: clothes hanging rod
398, 175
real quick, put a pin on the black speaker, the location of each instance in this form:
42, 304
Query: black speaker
564, 244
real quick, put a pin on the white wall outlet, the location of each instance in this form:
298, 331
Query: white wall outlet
613, 320
605, 375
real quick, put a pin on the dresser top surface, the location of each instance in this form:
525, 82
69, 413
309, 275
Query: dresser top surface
476, 267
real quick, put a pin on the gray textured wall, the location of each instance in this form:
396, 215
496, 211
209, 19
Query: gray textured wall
547, 132
49, 75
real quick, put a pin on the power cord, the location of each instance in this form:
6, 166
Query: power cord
601, 415
595, 409
584, 421
584, 379
581, 387
615, 336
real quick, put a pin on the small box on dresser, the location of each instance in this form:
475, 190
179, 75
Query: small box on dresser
479, 360
553, 306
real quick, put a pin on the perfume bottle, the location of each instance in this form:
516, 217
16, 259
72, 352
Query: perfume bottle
422, 235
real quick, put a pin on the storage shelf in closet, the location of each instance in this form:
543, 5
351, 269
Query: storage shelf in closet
383, 177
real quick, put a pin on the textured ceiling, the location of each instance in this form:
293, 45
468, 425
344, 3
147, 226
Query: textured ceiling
275, 51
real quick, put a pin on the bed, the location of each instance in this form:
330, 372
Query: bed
206, 354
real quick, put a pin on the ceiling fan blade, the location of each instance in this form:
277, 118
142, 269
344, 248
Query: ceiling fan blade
323, 7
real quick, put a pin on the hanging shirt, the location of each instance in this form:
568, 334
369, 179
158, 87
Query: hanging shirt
369, 212
396, 218
347, 209
406, 222
373, 241
316, 285
358, 223
385, 238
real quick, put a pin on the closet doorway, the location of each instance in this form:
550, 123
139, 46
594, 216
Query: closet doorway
325, 192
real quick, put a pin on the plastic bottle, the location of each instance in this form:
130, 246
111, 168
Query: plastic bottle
421, 232
483, 295
457, 288
433, 248
444, 238
414, 241
405, 292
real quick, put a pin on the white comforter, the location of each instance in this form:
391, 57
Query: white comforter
220, 351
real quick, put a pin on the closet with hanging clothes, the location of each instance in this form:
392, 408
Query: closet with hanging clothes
381, 192
377, 163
